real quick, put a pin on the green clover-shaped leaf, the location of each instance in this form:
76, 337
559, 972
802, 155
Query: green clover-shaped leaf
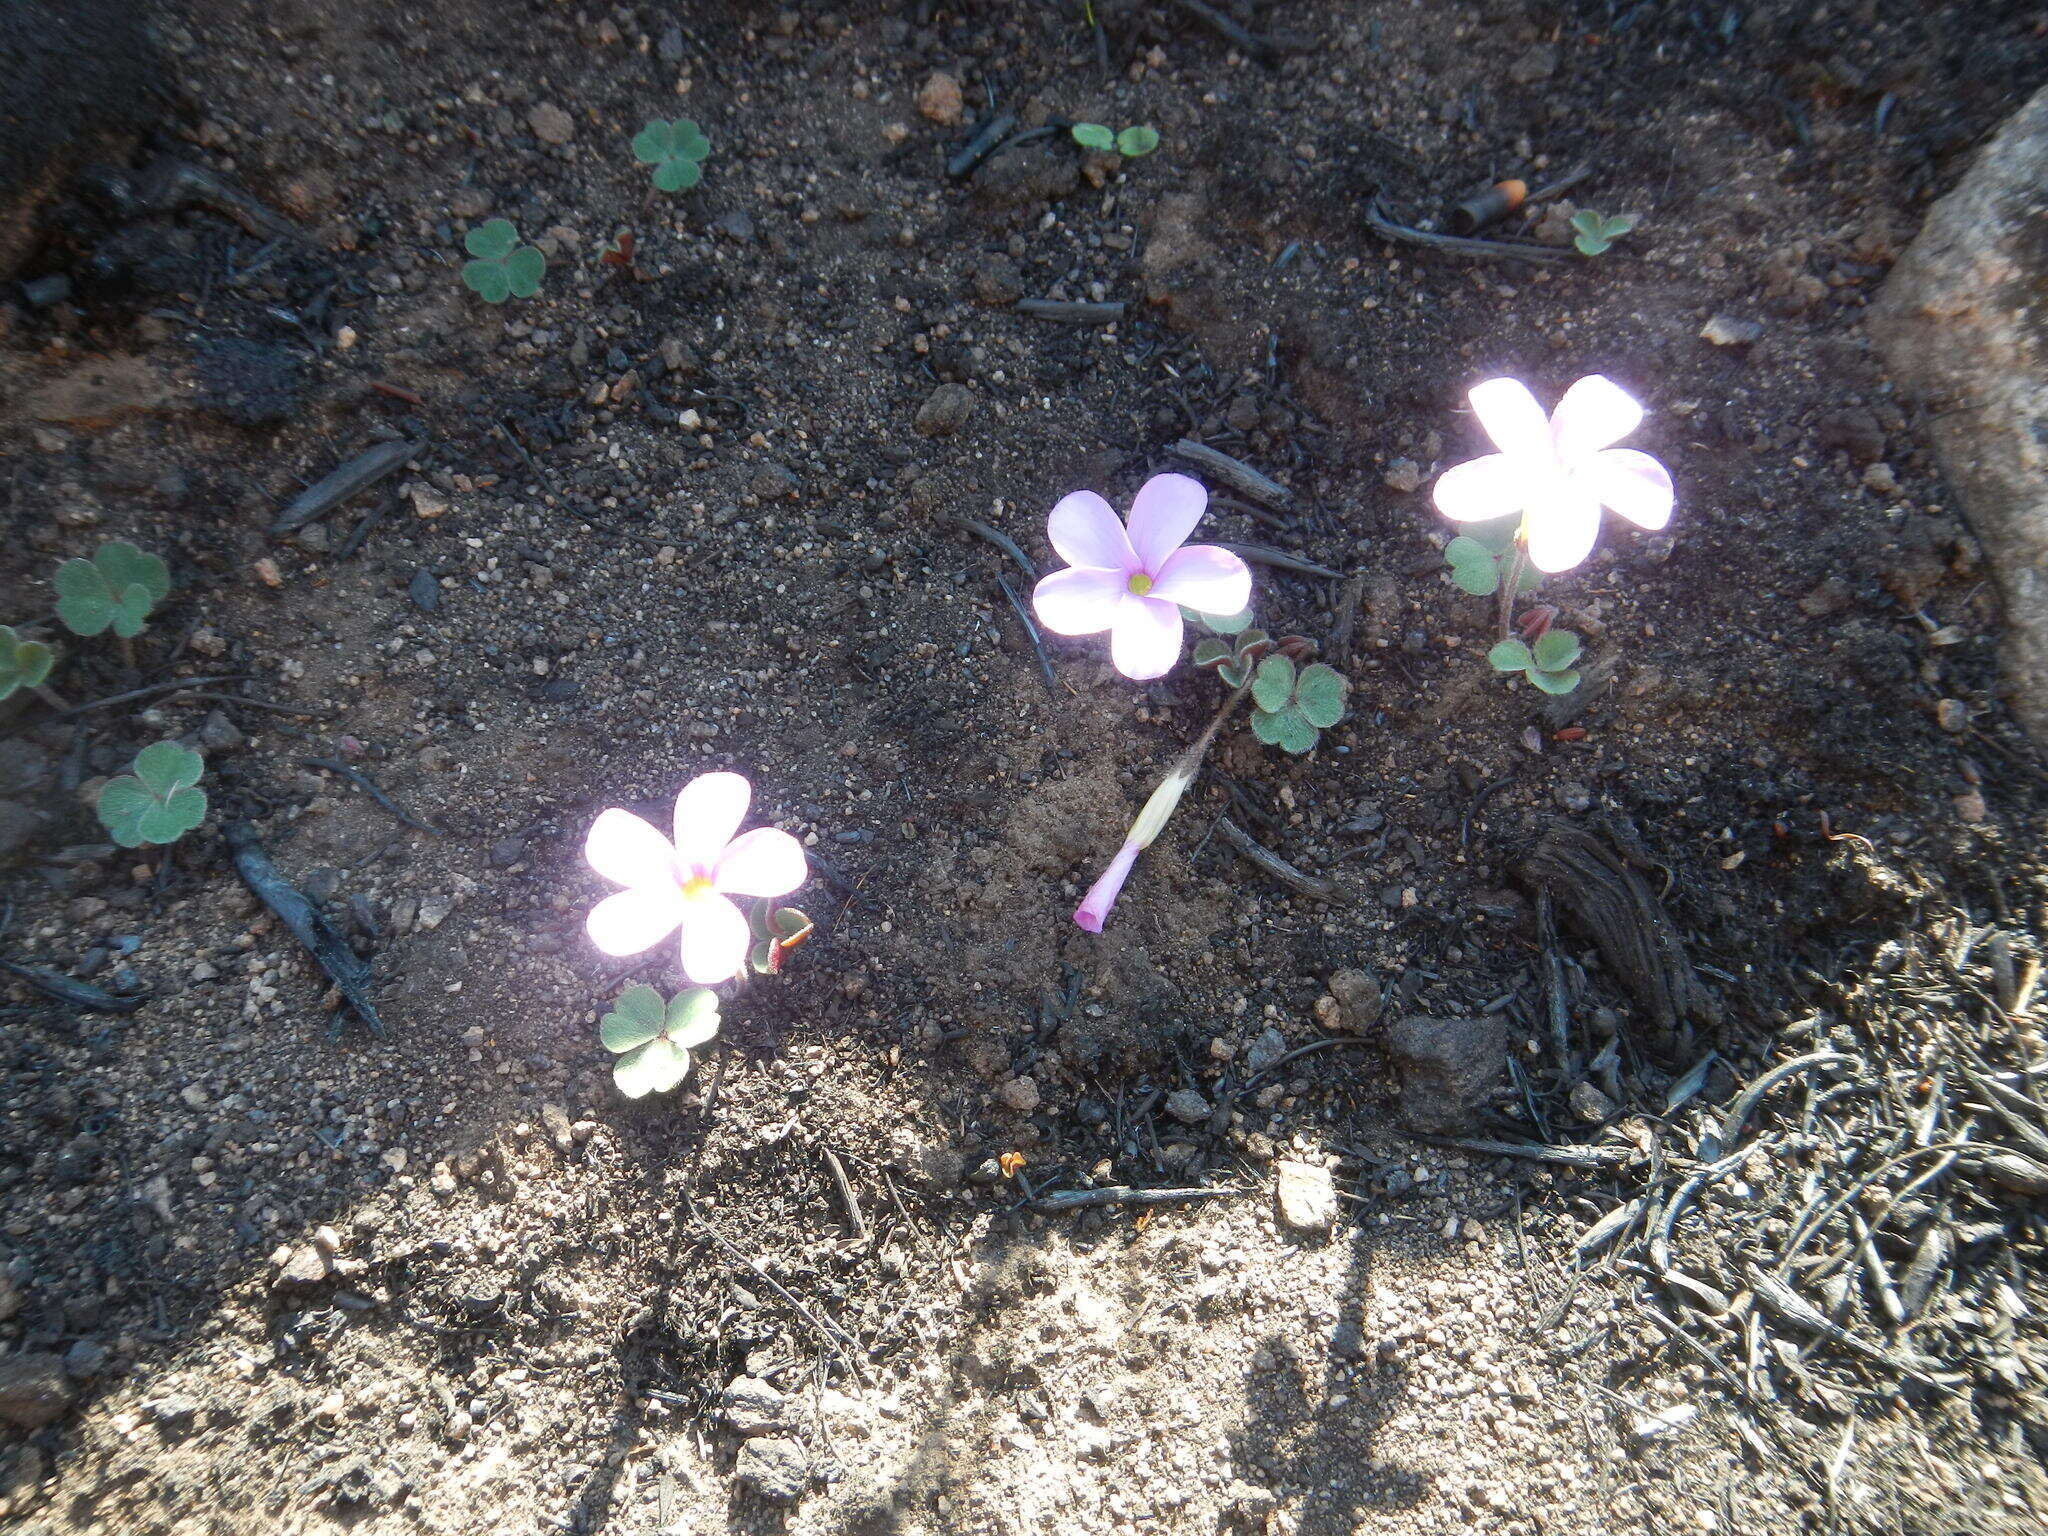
116, 588
1287, 728
676, 150
1211, 652
23, 663
1495, 534
1093, 136
1474, 567
1234, 673
637, 1017
1319, 695
1553, 682
654, 1067
1227, 623
1596, 233
1510, 656
157, 803
1273, 684
1556, 650
1139, 140
503, 268
790, 925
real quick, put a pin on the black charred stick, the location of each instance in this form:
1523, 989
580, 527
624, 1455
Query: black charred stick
347, 970
1118, 1194
982, 145
1235, 473
1260, 48
359, 473
1458, 245
1002, 541
1031, 634
362, 781
1064, 312
1280, 560
77, 993
1271, 862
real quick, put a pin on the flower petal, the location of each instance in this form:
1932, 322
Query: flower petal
1206, 578
1086, 531
1144, 642
630, 921
628, 851
1562, 527
765, 862
1482, 489
708, 812
1594, 412
1163, 514
1080, 600
1094, 908
1513, 418
714, 941
1632, 483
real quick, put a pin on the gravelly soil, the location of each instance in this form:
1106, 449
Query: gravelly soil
702, 513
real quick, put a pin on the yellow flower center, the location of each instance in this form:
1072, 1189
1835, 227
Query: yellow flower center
1140, 584
696, 886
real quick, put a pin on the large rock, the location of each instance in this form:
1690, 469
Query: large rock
1963, 324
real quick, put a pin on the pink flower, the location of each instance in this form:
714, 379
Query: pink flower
684, 884
1133, 583
1559, 472
1094, 909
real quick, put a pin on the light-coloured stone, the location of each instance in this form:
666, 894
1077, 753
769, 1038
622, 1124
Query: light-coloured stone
1307, 1195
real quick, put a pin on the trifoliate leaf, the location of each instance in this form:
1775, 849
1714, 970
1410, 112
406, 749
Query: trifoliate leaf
636, 1017
157, 803
116, 588
1320, 695
1553, 682
1093, 136
491, 241
1296, 734
676, 151
1510, 656
1555, 650
1140, 139
1273, 684
692, 1017
23, 663
654, 1067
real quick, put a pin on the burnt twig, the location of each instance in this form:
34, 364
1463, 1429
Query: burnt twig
1031, 634
77, 993
1280, 560
362, 781
1002, 541
1121, 1194
346, 969
1065, 312
1235, 472
359, 473
1458, 245
1277, 867
982, 145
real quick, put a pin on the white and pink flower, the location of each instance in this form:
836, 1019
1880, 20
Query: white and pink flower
1559, 471
1133, 581
687, 883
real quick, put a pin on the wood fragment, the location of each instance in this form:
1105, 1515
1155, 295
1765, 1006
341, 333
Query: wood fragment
1611, 902
358, 474
344, 967
1237, 474
1064, 312
1737, 1118
982, 145
1277, 867
857, 1226
1002, 541
1460, 245
1121, 1194
1537, 1152
1280, 560
1031, 634
79, 994
363, 782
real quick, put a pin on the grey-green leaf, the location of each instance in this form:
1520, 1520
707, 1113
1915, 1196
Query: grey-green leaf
1510, 656
1228, 623
654, 1067
1320, 695
1555, 650
164, 768
1140, 139
1209, 652
678, 175
1266, 726
1553, 682
1481, 580
1273, 683
491, 241
488, 280
1296, 733
23, 663
692, 1017
126, 566
1093, 136
523, 269
636, 1017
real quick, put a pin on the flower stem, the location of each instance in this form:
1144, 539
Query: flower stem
1509, 583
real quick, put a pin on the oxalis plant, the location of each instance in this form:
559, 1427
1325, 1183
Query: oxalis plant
1593, 233
23, 663
116, 589
1142, 582
1533, 509
676, 150
686, 884
502, 268
158, 801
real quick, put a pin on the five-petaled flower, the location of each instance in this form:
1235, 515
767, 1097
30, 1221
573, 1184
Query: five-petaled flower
1133, 582
685, 883
1558, 472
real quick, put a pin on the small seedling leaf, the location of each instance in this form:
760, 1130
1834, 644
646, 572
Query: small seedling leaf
1495, 534
165, 768
1473, 566
1266, 726
1510, 656
1296, 734
678, 175
1141, 139
1529, 580
1228, 623
1556, 650
1093, 136
654, 1067
1273, 684
1211, 652
692, 1017
636, 1017
1234, 673
1553, 682
126, 566
1320, 695
765, 957
491, 241
157, 803
23, 663
791, 926
654, 143
488, 280
1618, 226
523, 269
